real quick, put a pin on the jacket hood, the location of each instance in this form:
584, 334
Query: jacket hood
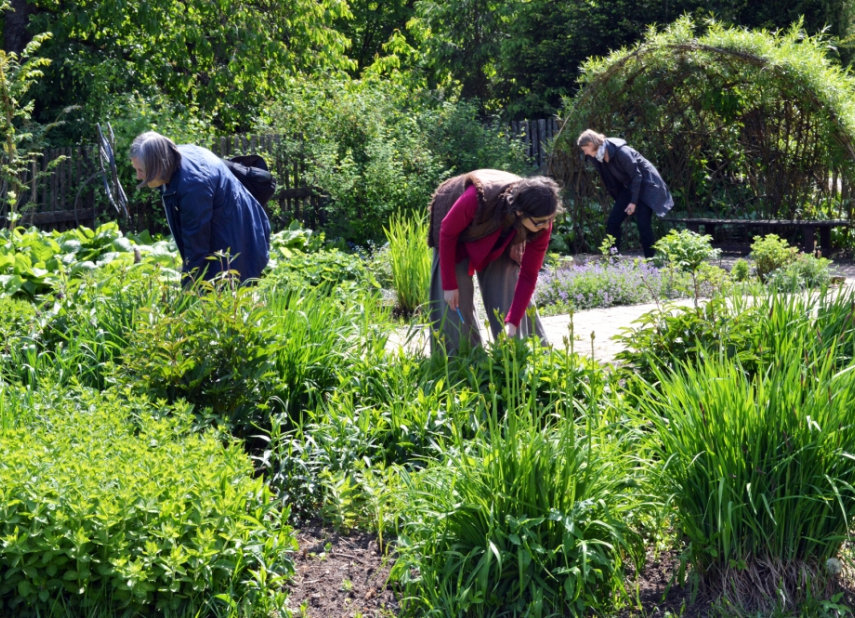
616, 141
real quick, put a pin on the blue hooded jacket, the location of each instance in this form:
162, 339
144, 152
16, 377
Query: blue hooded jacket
209, 210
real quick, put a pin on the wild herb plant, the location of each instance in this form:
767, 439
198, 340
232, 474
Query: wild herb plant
758, 468
410, 260
686, 251
116, 504
771, 253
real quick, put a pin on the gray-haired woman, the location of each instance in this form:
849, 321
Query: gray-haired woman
208, 210
633, 182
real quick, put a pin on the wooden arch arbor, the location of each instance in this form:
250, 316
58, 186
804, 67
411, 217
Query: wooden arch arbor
736, 135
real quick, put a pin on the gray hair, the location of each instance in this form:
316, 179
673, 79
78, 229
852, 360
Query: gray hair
589, 136
158, 156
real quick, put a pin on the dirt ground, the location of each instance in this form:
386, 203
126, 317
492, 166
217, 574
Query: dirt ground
340, 576
345, 576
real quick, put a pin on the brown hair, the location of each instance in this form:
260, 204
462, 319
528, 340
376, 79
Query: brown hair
537, 196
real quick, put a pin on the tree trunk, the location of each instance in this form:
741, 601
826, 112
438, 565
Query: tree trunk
15, 35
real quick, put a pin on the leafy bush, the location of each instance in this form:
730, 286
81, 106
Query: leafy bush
686, 251
33, 262
376, 149
758, 468
750, 331
741, 271
771, 253
117, 505
328, 268
804, 272
410, 261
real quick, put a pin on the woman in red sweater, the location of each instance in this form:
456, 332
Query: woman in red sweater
496, 225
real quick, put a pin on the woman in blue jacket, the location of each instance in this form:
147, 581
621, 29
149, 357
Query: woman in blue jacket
633, 182
207, 208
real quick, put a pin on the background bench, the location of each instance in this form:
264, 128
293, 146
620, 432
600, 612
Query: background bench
809, 228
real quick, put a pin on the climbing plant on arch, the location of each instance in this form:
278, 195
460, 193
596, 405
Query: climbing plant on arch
740, 123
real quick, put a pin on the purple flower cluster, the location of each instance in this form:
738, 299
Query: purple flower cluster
598, 285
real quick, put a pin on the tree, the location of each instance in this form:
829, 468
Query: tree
223, 58
370, 26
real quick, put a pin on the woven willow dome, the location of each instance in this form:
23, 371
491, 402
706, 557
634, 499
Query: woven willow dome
741, 124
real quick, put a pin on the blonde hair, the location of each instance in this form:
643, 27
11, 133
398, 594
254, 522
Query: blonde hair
158, 156
589, 136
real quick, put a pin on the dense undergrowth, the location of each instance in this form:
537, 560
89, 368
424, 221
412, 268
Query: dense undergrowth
158, 442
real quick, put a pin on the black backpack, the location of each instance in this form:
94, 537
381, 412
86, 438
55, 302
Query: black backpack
251, 171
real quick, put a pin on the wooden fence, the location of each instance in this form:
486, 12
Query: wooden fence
62, 176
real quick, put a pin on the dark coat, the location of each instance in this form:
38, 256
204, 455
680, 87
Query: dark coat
209, 210
626, 168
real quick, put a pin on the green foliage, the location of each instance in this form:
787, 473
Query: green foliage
17, 76
741, 271
410, 261
686, 251
749, 331
805, 272
771, 253
528, 516
117, 505
221, 61
375, 149
33, 262
758, 467
328, 268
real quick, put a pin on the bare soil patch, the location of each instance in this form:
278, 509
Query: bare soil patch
340, 576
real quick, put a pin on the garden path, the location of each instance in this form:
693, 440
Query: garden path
603, 323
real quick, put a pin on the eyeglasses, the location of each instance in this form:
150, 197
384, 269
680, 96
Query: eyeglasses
541, 223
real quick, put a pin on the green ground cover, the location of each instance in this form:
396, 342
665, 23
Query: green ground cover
159, 443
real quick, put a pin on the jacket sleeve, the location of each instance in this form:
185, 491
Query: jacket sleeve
455, 222
629, 161
196, 206
535, 252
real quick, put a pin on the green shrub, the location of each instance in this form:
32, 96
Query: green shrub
741, 271
112, 504
750, 331
375, 149
329, 268
410, 261
771, 253
758, 468
686, 251
214, 353
804, 272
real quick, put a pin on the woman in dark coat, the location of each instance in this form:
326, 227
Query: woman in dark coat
208, 210
632, 181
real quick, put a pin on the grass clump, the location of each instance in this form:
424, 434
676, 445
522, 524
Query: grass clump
529, 517
759, 469
410, 259
118, 506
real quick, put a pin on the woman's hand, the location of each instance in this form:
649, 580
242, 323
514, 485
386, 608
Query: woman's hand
510, 329
452, 297
630, 209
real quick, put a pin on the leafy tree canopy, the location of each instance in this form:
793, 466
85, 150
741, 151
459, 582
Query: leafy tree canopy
221, 57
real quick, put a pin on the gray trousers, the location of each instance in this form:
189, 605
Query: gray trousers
498, 282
